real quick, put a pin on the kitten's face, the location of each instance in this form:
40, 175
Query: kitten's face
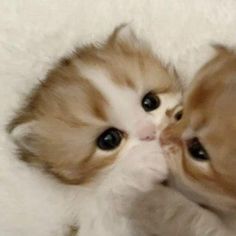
201, 146
93, 107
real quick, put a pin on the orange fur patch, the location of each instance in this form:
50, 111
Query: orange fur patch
210, 114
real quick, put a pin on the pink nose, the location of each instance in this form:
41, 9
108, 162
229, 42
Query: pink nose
146, 131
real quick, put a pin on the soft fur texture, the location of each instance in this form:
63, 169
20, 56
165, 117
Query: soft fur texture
200, 148
94, 90
85, 95
34, 34
165, 212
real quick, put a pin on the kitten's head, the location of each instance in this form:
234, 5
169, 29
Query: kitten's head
201, 147
93, 106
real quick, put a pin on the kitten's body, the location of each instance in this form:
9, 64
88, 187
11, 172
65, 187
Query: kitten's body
201, 146
94, 123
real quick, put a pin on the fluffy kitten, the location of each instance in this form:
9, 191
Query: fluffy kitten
201, 146
94, 122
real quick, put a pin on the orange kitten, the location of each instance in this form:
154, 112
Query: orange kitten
201, 147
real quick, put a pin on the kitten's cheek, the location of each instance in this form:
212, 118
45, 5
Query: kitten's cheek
171, 150
171, 145
166, 139
173, 156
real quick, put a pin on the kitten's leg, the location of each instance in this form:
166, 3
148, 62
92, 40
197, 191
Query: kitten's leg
164, 212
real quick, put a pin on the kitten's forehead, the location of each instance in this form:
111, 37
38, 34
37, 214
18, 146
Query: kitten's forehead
123, 78
221, 121
210, 108
132, 68
120, 100
102, 84
213, 91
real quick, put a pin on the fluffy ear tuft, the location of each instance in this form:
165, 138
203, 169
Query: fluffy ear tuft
221, 49
23, 135
121, 34
178, 83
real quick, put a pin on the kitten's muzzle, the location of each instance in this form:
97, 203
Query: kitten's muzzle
146, 131
168, 137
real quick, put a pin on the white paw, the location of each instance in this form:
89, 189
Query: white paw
144, 166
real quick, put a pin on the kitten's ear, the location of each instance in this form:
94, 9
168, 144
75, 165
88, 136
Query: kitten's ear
178, 83
172, 71
123, 34
222, 50
24, 135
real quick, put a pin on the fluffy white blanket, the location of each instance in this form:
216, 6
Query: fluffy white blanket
34, 34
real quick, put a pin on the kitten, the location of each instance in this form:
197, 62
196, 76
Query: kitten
200, 147
94, 122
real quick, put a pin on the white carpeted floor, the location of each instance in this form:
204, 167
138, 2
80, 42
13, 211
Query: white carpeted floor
34, 34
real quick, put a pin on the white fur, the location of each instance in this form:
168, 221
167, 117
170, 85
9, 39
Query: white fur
139, 169
125, 103
31, 203
34, 34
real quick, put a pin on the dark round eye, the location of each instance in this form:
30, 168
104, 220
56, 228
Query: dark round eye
196, 150
150, 102
178, 115
109, 139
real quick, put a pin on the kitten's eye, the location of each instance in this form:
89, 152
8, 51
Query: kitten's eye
178, 115
109, 139
150, 102
196, 150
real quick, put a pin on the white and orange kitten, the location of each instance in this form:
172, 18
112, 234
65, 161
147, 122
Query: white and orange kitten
94, 123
